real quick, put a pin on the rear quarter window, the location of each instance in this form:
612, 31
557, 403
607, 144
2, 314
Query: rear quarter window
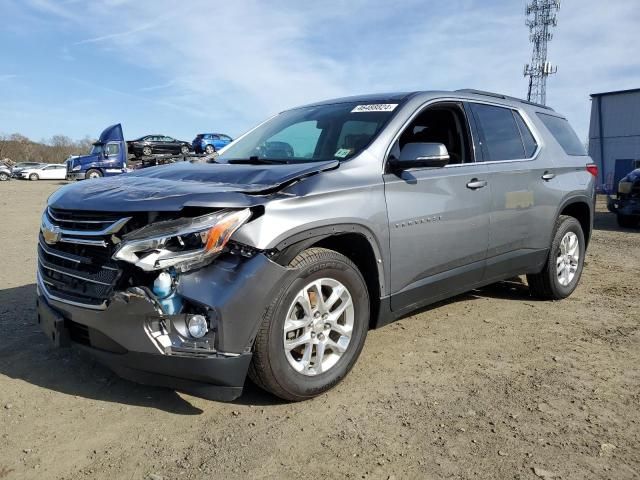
564, 134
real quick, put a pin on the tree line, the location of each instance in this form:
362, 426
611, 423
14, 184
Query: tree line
15, 148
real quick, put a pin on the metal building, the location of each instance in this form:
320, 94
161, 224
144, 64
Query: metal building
614, 135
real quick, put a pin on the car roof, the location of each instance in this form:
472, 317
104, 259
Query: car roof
399, 97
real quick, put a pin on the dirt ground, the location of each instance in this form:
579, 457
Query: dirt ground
490, 385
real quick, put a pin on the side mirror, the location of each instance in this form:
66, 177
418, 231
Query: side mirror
422, 155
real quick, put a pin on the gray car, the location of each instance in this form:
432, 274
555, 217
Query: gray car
275, 259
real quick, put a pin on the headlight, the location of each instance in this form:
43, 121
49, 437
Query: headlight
76, 168
624, 187
183, 243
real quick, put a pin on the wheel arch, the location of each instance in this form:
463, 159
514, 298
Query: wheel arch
355, 242
580, 208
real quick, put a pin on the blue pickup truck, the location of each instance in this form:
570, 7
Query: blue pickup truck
107, 157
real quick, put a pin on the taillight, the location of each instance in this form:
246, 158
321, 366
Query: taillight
592, 168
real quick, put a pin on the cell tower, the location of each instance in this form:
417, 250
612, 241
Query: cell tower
541, 16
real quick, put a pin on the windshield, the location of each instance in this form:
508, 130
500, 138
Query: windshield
96, 149
312, 134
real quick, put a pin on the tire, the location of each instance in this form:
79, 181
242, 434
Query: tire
147, 151
4, 177
285, 372
549, 283
184, 149
34, 177
209, 149
626, 221
92, 174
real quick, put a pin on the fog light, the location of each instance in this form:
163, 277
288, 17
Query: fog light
197, 326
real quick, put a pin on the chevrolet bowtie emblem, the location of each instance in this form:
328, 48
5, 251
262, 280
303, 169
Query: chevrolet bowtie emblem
50, 233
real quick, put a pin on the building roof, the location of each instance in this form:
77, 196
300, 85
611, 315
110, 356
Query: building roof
615, 92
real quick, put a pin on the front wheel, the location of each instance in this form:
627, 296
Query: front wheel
561, 274
146, 151
184, 149
315, 328
4, 176
93, 174
33, 177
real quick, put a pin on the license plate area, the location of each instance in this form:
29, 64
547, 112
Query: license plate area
52, 324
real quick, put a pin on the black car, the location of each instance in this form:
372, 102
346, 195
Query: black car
152, 144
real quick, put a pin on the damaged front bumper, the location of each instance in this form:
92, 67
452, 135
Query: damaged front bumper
133, 337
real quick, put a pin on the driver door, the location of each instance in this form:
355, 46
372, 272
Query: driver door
438, 217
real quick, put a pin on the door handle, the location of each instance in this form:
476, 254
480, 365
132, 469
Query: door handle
475, 184
548, 176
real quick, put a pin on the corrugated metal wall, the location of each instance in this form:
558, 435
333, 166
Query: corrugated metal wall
619, 135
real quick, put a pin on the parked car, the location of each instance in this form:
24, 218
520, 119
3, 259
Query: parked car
19, 167
626, 203
210, 142
54, 171
153, 144
5, 173
108, 157
278, 267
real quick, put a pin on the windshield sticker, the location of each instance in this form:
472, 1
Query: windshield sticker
343, 152
376, 107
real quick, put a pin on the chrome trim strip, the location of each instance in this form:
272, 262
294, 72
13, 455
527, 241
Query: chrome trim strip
112, 228
82, 241
54, 254
62, 272
56, 219
48, 295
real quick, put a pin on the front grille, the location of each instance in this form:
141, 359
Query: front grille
78, 268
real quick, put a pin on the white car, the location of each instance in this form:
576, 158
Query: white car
54, 171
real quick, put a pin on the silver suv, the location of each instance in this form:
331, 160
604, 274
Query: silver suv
276, 257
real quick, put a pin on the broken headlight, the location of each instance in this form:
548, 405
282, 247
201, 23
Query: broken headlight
183, 244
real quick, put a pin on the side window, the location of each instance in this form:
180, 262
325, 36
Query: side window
444, 124
564, 134
529, 142
501, 137
113, 149
167, 139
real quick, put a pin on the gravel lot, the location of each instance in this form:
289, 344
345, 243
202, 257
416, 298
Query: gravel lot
491, 384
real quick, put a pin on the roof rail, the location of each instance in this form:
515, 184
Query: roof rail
504, 97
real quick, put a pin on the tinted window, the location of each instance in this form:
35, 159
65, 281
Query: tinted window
530, 143
564, 134
299, 140
501, 135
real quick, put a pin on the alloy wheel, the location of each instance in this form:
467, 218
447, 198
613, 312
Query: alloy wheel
318, 326
568, 258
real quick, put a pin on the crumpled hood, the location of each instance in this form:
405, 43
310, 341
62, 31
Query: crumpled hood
172, 187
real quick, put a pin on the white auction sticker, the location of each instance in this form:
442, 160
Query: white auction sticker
375, 107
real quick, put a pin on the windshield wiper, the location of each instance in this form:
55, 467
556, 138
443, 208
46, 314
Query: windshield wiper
257, 161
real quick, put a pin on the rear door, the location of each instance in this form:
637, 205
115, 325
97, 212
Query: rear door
522, 186
438, 217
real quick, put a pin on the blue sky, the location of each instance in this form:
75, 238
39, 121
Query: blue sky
73, 67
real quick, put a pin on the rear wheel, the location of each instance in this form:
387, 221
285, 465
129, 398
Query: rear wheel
209, 149
93, 173
561, 274
33, 177
315, 328
627, 221
184, 149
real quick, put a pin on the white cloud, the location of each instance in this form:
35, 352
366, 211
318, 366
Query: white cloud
237, 62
